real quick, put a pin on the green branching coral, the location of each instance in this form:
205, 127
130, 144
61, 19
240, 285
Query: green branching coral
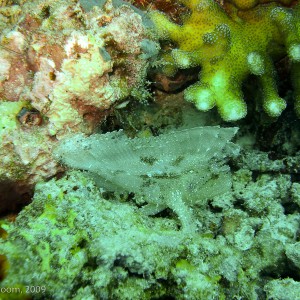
230, 44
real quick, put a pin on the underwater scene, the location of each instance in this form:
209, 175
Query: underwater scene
150, 149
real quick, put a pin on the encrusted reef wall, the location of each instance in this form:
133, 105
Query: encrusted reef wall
62, 68
231, 40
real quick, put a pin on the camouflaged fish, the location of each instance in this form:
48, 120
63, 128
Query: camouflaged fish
173, 170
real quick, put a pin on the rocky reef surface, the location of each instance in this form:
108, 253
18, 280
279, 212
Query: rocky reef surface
78, 243
62, 69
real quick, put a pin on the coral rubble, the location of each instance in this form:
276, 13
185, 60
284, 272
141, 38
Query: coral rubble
78, 245
230, 43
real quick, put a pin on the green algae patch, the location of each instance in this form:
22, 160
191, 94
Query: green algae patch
8, 116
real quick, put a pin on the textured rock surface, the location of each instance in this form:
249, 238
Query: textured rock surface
79, 245
62, 69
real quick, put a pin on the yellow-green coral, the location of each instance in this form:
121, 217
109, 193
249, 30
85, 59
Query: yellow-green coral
230, 45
